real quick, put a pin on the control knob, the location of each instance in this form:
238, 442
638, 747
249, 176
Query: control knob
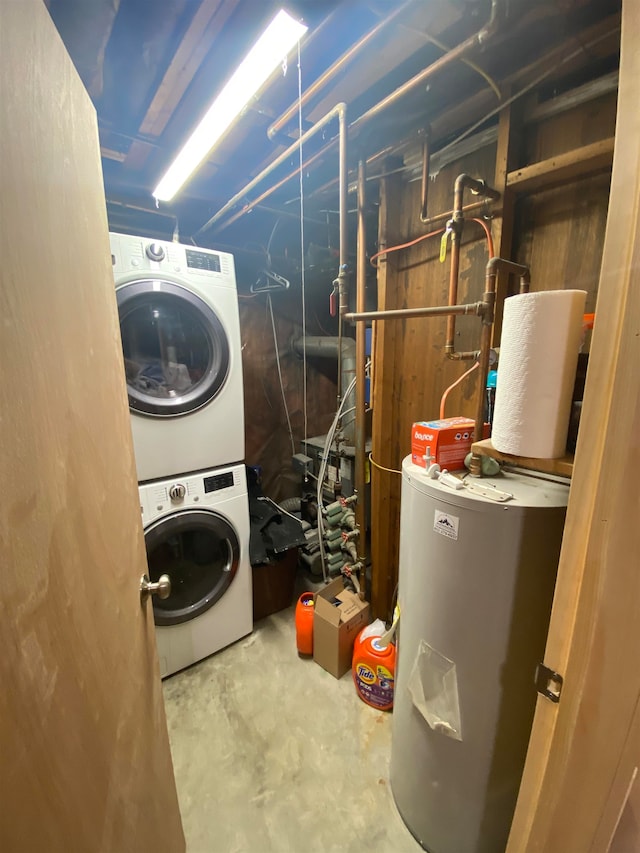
177, 492
155, 251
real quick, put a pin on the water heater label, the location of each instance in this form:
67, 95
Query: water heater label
446, 524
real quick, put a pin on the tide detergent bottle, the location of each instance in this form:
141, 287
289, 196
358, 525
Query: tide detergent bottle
374, 666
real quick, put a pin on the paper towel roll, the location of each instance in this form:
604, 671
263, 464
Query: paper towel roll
541, 334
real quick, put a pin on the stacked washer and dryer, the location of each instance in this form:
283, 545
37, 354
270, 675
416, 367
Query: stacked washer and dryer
180, 331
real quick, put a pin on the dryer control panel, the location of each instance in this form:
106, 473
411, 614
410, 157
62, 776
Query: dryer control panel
131, 254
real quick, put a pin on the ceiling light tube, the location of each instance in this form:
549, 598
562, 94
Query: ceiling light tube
258, 65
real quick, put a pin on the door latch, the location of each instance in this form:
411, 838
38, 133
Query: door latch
548, 682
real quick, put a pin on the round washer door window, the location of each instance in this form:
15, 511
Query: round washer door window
176, 352
200, 552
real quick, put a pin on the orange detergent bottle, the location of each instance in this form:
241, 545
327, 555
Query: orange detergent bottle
304, 623
374, 666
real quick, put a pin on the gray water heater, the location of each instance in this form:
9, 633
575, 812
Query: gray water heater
476, 585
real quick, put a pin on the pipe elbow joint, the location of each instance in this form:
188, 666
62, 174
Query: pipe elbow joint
493, 24
475, 465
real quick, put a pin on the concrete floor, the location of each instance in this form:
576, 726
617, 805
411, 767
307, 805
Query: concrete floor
274, 755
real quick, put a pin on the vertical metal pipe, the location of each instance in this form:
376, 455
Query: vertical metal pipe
454, 273
426, 168
455, 226
360, 434
475, 467
493, 265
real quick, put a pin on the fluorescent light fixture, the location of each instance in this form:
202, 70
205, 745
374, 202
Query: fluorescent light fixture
259, 64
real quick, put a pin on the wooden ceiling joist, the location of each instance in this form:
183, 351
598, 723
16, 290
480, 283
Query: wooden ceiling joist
206, 25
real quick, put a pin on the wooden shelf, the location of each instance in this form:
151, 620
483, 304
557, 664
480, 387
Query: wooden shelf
562, 467
563, 168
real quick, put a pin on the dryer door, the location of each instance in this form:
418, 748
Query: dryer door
176, 352
200, 551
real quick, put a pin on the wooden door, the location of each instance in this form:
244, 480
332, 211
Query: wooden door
84, 752
581, 773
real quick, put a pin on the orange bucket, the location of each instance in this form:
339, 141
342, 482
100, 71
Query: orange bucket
304, 623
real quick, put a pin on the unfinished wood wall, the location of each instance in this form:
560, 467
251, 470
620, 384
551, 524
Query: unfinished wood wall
558, 231
267, 440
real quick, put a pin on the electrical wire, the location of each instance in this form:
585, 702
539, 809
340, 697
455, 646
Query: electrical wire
443, 401
284, 399
467, 62
302, 264
382, 468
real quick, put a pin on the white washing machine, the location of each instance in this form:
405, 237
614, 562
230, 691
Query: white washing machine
180, 331
196, 530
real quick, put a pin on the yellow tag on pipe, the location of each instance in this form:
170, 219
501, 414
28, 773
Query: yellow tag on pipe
443, 247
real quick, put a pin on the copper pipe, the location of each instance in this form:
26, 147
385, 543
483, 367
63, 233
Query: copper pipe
360, 426
476, 308
475, 465
332, 71
458, 52
454, 54
447, 214
493, 265
426, 157
339, 112
455, 226
249, 206
454, 274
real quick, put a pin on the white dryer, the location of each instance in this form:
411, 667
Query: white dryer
180, 331
196, 530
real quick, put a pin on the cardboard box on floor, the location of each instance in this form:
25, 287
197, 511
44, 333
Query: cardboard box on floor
339, 615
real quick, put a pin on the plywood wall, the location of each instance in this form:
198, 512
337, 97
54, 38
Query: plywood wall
558, 232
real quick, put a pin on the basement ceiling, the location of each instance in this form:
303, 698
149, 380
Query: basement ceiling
153, 66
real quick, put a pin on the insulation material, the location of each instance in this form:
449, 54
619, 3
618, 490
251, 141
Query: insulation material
539, 348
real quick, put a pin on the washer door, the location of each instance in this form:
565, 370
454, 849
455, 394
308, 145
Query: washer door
176, 352
200, 552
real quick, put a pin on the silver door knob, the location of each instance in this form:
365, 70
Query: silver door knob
162, 588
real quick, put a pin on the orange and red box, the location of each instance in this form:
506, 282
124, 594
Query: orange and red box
448, 440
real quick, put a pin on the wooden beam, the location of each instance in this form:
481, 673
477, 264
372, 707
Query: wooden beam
502, 224
385, 486
464, 113
202, 32
599, 88
111, 154
563, 168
